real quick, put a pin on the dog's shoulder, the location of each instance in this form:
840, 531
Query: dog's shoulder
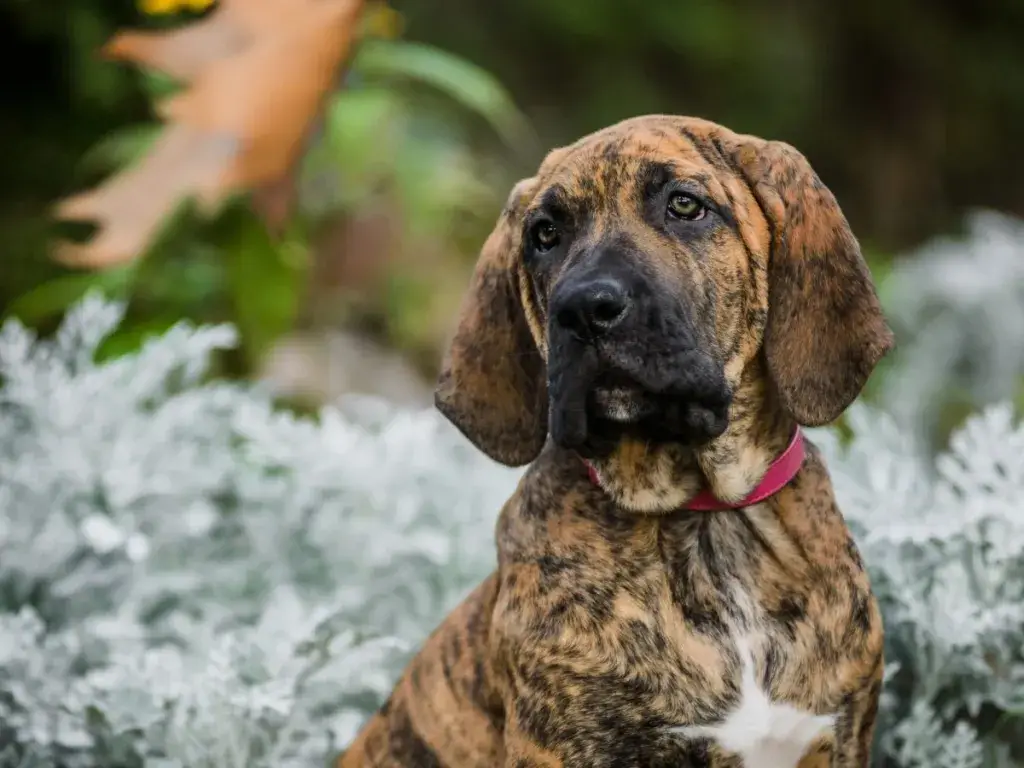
812, 585
808, 511
554, 508
564, 552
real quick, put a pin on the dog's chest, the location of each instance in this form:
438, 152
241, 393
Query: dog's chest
648, 687
761, 730
748, 701
689, 658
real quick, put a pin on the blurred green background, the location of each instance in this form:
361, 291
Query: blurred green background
911, 111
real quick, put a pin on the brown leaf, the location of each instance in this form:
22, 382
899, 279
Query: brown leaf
130, 207
258, 73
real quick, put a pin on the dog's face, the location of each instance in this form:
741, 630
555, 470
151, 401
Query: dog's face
625, 247
661, 283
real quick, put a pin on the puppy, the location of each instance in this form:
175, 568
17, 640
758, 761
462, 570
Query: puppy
656, 313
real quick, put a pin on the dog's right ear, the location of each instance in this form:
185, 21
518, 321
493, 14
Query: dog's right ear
492, 385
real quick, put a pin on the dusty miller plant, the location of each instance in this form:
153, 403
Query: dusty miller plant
957, 304
944, 541
191, 577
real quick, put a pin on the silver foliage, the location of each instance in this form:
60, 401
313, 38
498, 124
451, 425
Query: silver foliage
958, 308
191, 578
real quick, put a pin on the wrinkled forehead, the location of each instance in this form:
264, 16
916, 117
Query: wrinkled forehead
621, 167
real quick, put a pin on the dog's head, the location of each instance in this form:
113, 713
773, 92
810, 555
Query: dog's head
652, 298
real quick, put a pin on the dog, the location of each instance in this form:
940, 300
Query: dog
655, 315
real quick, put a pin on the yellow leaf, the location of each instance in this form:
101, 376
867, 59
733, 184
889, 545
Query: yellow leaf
166, 7
158, 7
381, 20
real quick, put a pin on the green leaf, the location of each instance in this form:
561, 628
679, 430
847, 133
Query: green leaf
265, 281
132, 334
354, 122
54, 296
356, 150
157, 85
469, 85
93, 81
184, 272
406, 299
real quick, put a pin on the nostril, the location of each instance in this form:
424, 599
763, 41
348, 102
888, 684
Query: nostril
608, 310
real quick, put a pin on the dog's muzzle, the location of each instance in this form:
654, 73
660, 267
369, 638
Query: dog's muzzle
615, 370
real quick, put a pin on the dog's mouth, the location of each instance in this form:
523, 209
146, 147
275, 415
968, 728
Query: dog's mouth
619, 399
617, 405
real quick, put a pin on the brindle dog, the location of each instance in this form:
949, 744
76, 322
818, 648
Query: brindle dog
668, 300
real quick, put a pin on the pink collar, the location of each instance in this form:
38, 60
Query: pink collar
781, 471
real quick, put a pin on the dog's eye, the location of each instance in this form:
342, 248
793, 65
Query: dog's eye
545, 236
686, 207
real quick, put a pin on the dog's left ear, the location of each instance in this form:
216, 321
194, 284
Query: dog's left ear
825, 331
492, 385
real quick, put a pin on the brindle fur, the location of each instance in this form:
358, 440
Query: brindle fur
608, 620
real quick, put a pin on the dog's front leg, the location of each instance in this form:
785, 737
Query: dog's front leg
446, 710
855, 730
521, 751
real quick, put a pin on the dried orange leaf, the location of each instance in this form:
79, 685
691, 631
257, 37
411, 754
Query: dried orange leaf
131, 206
282, 79
257, 73
183, 53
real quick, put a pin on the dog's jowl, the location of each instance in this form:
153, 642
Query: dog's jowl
656, 314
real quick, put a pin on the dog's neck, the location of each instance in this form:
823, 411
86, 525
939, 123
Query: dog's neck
657, 480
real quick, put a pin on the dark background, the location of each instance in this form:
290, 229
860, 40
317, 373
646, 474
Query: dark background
911, 111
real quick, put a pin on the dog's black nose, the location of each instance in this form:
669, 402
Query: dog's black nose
592, 307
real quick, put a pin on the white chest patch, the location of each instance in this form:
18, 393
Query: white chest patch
763, 733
